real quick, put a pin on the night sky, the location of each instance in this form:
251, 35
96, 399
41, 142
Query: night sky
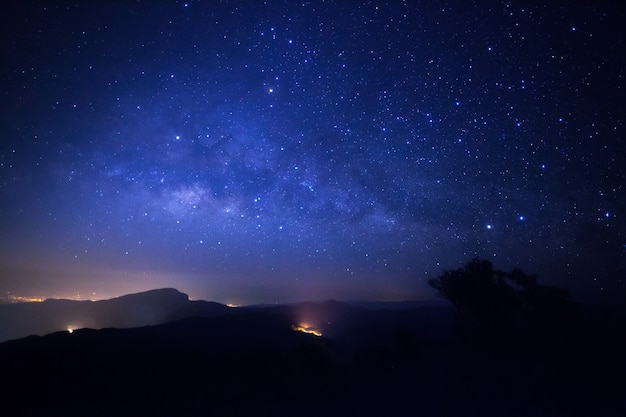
279, 151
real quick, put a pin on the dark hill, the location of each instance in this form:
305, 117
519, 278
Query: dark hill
187, 367
146, 308
375, 361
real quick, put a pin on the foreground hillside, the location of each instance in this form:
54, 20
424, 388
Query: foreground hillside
377, 362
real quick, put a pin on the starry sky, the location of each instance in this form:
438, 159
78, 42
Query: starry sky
277, 151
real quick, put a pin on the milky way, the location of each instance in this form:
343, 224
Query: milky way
292, 150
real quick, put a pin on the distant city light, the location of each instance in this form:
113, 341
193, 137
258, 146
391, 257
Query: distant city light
19, 299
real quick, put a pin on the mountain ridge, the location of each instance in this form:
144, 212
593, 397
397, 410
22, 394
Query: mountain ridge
253, 361
159, 306
131, 310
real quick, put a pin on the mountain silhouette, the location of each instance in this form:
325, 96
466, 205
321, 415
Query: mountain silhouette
371, 359
146, 308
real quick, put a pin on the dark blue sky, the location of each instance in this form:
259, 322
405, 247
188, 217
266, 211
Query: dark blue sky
248, 152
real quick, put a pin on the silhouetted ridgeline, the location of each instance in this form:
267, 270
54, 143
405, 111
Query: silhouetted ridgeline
141, 309
370, 361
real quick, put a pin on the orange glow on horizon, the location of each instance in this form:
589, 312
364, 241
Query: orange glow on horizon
19, 299
306, 328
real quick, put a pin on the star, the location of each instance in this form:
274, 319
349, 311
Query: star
291, 136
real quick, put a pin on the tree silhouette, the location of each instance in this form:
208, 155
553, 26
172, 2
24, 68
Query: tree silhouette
490, 301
